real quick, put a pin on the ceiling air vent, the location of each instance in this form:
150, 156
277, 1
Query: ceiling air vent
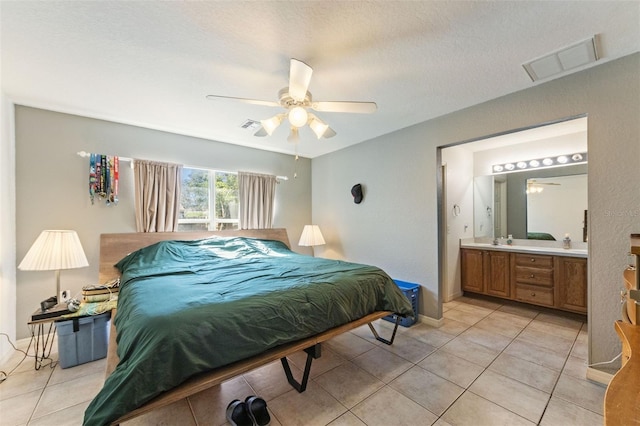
251, 124
574, 56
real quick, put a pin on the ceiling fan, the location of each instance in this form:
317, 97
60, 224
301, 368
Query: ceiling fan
297, 100
533, 186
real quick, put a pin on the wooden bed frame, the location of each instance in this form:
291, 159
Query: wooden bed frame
114, 247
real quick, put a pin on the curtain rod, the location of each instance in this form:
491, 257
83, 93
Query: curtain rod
130, 160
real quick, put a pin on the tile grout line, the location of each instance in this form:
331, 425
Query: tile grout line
42, 392
561, 370
467, 389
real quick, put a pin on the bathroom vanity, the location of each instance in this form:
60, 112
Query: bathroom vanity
545, 276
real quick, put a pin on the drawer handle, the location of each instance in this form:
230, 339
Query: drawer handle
531, 276
533, 260
533, 294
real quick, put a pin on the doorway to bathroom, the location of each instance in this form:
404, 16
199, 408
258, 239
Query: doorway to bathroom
467, 212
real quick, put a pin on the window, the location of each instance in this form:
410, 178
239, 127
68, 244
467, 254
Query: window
205, 191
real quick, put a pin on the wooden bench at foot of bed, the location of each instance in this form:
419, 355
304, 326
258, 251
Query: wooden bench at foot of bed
215, 377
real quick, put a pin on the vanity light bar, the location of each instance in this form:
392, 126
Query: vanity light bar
540, 163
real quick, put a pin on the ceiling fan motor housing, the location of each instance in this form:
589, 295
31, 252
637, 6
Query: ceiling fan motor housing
288, 102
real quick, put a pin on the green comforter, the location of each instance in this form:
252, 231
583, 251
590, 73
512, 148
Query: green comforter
190, 306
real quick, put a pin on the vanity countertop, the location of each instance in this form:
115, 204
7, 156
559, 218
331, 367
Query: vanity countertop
554, 251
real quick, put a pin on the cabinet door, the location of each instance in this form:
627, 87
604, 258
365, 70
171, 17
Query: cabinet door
498, 283
571, 287
472, 271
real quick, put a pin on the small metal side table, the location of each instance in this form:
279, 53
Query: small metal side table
43, 331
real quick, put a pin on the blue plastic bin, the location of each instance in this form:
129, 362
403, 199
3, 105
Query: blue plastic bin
412, 292
83, 339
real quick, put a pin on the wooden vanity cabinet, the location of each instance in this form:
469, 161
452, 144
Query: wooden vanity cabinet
533, 280
553, 281
486, 272
497, 274
473, 270
571, 283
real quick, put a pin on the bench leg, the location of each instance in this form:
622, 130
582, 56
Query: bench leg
393, 335
312, 352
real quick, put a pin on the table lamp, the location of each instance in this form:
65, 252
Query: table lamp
54, 250
311, 236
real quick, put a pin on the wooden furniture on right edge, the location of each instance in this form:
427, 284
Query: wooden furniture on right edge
622, 399
553, 281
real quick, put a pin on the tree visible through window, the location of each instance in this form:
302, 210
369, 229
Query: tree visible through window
206, 191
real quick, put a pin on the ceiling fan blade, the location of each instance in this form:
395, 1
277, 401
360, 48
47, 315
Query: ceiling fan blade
299, 79
244, 100
261, 133
339, 106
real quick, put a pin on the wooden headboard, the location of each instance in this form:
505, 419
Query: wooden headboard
114, 247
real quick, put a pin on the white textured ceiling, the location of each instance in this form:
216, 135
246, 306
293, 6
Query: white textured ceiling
152, 63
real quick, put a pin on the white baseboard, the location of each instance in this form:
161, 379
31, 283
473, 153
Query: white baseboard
599, 376
431, 321
20, 344
454, 296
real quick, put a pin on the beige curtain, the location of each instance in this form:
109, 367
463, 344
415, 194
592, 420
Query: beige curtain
157, 192
257, 193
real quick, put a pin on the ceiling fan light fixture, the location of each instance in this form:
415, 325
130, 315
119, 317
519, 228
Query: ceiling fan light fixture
271, 124
318, 127
298, 116
294, 136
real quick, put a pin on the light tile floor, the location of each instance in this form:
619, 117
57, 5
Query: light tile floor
488, 364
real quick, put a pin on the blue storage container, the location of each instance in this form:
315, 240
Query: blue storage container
412, 292
82, 339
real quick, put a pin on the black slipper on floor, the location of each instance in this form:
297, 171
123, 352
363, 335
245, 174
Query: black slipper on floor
238, 414
257, 408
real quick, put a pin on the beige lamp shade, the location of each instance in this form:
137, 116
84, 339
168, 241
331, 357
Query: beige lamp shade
54, 250
311, 236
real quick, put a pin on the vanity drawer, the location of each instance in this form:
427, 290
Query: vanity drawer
534, 294
534, 260
537, 276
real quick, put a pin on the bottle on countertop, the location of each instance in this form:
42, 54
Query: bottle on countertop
566, 242
510, 239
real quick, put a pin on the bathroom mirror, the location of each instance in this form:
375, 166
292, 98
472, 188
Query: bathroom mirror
556, 206
501, 204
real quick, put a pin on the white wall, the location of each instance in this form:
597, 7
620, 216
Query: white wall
396, 225
52, 187
483, 205
459, 223
7, 227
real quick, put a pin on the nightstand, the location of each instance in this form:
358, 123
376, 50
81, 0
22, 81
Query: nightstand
43, 331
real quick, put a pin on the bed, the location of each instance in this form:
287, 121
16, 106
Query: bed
196, 309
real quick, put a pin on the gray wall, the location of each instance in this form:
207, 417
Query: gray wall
396, 227
52, 187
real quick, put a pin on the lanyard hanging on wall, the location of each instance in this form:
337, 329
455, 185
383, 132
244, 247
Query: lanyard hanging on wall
103, 178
